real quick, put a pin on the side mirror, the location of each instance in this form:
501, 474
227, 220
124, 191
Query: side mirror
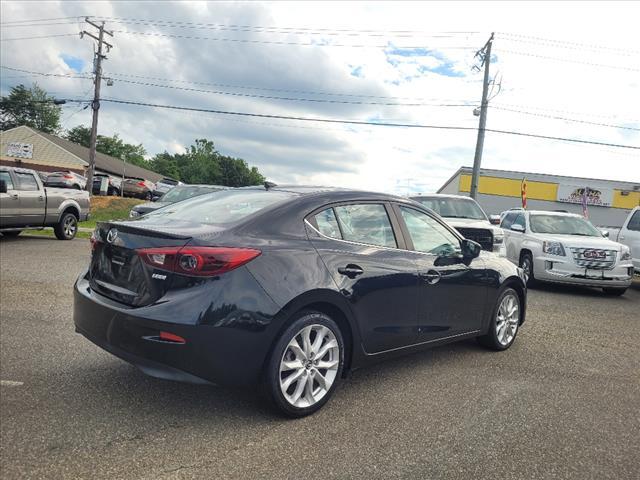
605, 233
470, 249
494, 219
3, 186
517, 228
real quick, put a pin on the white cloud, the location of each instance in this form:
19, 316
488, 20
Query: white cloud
391, 159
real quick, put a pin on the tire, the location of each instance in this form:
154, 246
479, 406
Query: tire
67, 227
12, 233
296, 391
614, 292
148, 196
77, 187
526, 263
494, 339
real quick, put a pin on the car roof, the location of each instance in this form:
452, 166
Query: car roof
551, 212
439, 195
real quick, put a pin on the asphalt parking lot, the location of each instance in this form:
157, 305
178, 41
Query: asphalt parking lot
562, 403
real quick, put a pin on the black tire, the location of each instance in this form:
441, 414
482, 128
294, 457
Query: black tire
490, 339
272, 375
12, 233
526, 263
67, 227
148, 196
77, 187
614, 292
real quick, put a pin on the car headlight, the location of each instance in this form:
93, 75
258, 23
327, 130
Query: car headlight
134, 213
553, 248
626, 254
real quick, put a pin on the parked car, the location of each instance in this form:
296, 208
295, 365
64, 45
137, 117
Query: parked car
289, 288
66, 179
466, 216
26, 204
176, 194
43, 176
113, 184
138, 187
565, 248
164, 185
629, 235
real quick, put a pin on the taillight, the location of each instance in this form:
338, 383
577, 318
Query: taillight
67, 176
141, 184
197, 261
93, 240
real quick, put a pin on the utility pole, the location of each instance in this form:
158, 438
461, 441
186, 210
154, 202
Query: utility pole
485, 57
95, 105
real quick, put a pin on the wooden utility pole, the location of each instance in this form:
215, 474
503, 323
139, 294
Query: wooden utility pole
485, 55
95, 105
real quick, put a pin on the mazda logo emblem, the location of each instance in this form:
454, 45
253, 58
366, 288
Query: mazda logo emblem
112, 235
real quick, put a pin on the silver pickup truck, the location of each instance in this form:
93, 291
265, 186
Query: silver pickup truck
26, 204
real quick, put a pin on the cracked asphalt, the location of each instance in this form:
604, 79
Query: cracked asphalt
562, 403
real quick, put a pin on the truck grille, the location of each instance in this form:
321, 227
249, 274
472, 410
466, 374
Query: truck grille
594, 258
482, 236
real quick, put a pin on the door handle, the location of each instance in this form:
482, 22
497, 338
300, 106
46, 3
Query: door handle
351, 270
431, 277
40, 197
14, 196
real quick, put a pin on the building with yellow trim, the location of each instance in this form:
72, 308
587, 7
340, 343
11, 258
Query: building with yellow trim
609, 201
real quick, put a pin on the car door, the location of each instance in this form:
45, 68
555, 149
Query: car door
9, 201
31, 199
453, 293
359, 247
512, 239
630, 236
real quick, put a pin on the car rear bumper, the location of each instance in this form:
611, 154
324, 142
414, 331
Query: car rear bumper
210, 354
562, 270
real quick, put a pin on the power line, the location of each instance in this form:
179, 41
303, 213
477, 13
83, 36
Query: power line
571, 112
38, 20
564, 118
283, 42
363, 122
41, 36
568, 60
565, 44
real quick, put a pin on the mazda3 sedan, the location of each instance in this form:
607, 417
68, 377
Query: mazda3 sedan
289, 289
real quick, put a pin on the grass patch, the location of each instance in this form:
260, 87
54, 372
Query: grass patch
109, 208
48, 232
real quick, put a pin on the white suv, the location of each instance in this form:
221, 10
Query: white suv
565, 248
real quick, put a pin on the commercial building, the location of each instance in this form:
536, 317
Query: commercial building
27, 147
609, 202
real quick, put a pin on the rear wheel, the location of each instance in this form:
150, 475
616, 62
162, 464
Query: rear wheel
526, 263
67, 227
305, 365
505, 321
148, 196
614, 292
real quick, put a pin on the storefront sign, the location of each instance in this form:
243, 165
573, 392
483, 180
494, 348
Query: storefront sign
602, 197
20, 150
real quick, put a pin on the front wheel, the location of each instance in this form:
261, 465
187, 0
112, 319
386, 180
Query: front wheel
614, 292
526, 263
67, 227
305, 365
505, 321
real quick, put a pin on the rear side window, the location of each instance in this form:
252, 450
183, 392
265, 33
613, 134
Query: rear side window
328, 223
634, 223
366, 223
7, 179
26, 181
223, 207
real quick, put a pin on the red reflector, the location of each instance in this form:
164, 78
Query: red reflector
198, 261
170, 337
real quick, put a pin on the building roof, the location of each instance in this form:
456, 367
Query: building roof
106, 163
543, 177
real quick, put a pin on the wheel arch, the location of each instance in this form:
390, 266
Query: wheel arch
520, 288
69, 208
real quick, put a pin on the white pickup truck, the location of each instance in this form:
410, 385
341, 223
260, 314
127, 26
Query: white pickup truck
629, 235
25, 203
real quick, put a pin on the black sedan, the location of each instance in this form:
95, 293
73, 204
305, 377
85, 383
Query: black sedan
289, 289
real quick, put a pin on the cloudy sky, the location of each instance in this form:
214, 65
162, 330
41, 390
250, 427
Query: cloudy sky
565, 69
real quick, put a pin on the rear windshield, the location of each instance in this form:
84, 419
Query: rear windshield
453, 207
177, 194
225, 206
169, 181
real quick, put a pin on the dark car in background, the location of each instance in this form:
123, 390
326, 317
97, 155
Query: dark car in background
66, 179
176, 194
113, 184
138, 187
289, 289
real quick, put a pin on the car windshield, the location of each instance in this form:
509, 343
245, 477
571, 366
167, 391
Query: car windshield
225, 206
563, 225
177, 194
453, 207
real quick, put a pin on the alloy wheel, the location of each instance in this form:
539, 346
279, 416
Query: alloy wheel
309, 366
507, 319
70, 226
526, 267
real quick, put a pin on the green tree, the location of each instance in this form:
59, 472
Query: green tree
32, 107
113, 146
